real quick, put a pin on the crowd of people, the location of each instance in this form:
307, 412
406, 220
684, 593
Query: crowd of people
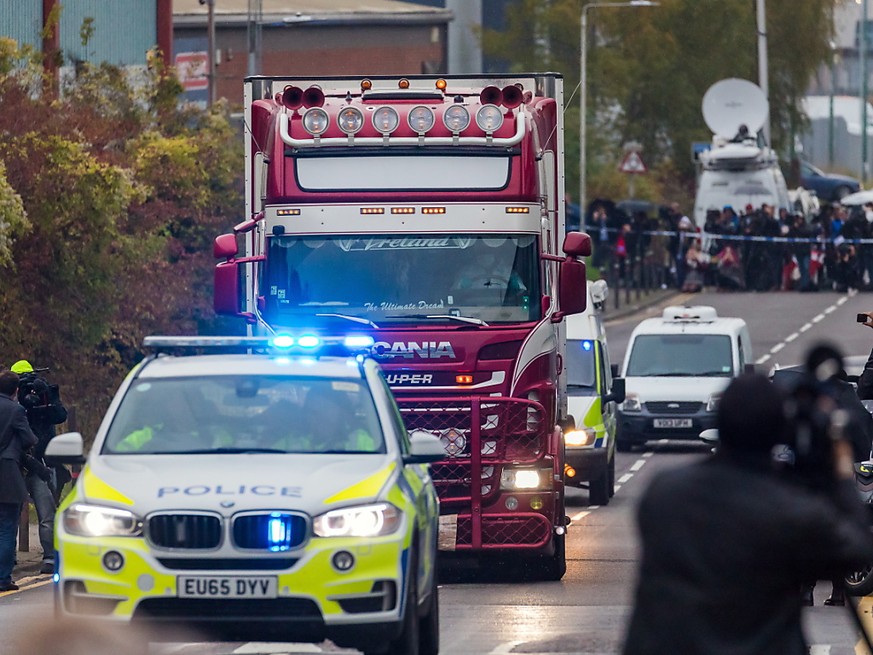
748, 248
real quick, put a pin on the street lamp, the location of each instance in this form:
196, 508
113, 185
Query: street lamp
583, 89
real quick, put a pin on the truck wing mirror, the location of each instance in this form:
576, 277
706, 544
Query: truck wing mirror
65, 448
226, 298
224, 246
572, 290
577, 244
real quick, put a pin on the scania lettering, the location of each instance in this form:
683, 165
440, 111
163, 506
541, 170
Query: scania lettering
428, 213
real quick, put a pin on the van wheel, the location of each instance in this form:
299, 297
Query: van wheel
598, 489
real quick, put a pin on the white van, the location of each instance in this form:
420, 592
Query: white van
592, 395
676, 368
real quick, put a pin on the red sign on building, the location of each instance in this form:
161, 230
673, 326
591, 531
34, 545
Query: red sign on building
192, 70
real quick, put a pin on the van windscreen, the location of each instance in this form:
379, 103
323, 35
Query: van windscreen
680, 355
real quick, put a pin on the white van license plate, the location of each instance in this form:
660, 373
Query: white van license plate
202, 586
673, 423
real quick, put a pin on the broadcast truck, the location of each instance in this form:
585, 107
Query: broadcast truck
427, 213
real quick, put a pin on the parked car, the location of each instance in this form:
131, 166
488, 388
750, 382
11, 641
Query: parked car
829, 187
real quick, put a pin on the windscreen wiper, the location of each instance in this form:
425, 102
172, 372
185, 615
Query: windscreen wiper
451, 317
353, 319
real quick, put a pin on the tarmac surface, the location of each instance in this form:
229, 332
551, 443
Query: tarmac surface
26, 571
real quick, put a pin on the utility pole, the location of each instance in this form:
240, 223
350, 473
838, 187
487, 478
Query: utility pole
763, 81
863, 68
210, 49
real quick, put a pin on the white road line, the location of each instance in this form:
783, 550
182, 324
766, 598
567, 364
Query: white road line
820, 649
625, 478
263, 648
791, 337
763, 359
775, 349
647, 455
805, 327
508, 647
616, 488
831, 309
818, 318
579, 516
843, 299
637, 465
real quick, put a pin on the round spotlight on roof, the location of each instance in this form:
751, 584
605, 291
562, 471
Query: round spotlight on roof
489, 118
421, 119
456, 118
350, 120
315, 121
385, 120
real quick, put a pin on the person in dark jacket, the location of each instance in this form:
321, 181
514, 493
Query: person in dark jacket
16, 438
727, 542
44, 411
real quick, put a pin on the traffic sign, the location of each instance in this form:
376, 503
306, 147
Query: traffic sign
632, 163
192, 70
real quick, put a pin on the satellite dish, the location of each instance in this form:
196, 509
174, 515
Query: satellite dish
729, 103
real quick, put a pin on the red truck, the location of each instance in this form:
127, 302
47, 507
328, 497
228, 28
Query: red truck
428, 213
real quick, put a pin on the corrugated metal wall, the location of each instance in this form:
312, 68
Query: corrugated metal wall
124, 30
21, 20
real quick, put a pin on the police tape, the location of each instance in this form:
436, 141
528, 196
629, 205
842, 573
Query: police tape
714, 236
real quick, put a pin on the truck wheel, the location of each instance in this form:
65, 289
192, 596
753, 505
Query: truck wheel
555, 566
429, 624
598, 489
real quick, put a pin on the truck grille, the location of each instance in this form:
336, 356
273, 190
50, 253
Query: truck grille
194, 531
674, 407
273, 531
530, 530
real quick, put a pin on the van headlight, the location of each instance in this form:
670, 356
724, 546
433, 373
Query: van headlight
362, 521
631, 403
712, 403
521, 479
95, 521
584, 437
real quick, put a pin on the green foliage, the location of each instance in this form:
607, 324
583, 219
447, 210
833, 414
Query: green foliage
648, 68
110, 197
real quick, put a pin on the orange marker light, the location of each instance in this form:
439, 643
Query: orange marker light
366, 85
464, 379
441, 84
433, 210
372, 210
403, 83
569, 471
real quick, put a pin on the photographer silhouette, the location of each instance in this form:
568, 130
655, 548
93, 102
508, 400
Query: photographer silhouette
42, 401
727, 542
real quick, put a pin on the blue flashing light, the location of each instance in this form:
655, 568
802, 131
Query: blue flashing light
359, 341
278, 532
283, 341
309, 341
586, 345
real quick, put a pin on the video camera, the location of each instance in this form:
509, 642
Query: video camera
35, 391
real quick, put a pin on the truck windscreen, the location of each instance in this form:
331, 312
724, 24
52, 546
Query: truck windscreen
403, 278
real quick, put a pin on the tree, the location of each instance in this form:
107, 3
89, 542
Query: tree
649, 67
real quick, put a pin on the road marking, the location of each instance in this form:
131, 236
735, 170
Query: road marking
831, 309
637, 465
818, 318
843, 300
508, 647
805, 327
616, 488
625, 478
791, 337
763, 359
820, 649
775, 349
647, 455
43, 583
580, 516
264, 648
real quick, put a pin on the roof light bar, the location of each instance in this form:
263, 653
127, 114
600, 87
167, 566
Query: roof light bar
280, 343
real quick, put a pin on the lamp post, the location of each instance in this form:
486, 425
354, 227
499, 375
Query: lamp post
583, 88
863, 70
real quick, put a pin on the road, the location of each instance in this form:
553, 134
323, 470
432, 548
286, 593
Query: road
585, 613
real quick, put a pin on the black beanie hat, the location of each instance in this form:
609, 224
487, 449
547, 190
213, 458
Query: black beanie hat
751, 415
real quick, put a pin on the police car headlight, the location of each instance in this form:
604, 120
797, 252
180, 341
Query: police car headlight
362, 521
521, 479
712, 403
631, 403
580, 437
95, 521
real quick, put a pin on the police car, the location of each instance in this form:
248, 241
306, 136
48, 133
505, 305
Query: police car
270, 496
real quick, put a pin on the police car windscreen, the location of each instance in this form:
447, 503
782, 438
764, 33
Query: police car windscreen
233, 414
385, 278
681, 355
581, 372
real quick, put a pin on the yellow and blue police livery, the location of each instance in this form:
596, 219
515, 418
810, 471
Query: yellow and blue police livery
269, 496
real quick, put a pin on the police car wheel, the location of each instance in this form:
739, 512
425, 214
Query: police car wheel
406, 642
598, 489
429, 625
612, 477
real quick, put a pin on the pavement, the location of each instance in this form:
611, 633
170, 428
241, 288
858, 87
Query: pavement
654, 297
26, 571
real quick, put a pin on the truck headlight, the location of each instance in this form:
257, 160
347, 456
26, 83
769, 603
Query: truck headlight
631, 403
361, 521
712, 403
584, 437
521, 479
95, 521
